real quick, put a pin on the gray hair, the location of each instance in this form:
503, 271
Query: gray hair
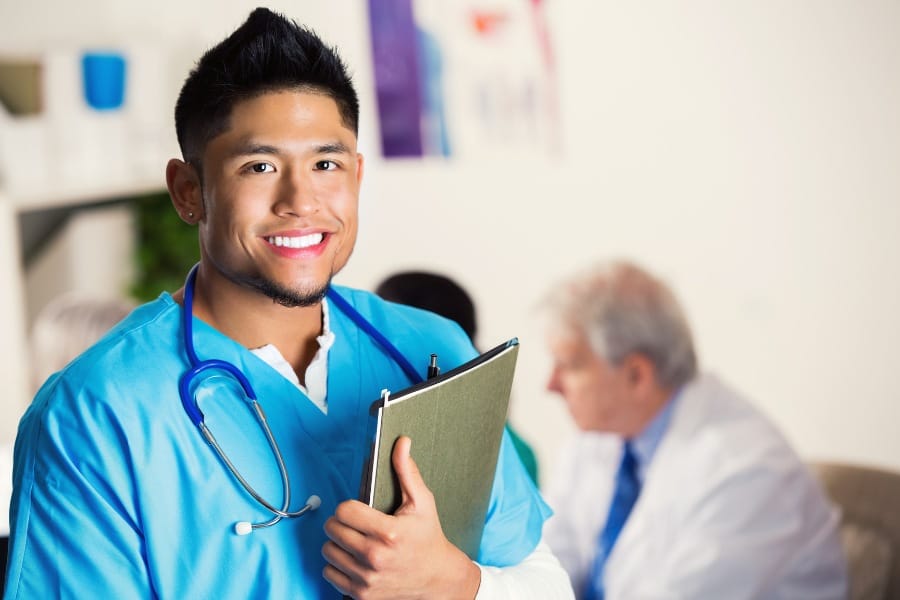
622, 309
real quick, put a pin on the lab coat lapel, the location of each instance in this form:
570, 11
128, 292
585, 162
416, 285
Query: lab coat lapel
650, 518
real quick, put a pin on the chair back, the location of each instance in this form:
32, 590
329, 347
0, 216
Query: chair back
869, 499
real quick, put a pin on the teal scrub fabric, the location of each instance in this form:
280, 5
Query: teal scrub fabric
117, 495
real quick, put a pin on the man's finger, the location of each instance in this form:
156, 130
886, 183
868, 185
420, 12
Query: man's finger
337, 579
348, 538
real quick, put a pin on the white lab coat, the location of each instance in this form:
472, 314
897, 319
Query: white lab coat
727, 510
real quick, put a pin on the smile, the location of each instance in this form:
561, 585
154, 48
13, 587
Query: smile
303, 241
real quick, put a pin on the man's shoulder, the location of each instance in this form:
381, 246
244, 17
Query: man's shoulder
716, 428
153, 324
707, 404
127, 352
125, 373
371, 304
414, 331
407, 324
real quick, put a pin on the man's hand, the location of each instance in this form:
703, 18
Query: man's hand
372, 555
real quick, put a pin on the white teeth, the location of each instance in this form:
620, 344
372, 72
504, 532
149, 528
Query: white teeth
303, 241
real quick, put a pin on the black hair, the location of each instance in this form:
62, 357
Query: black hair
267, 53
433, 292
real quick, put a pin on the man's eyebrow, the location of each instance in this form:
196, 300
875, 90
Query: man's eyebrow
249, 147
332, 148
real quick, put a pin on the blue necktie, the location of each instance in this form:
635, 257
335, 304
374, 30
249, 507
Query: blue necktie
628, 487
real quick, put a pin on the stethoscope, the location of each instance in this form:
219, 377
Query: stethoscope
193, 411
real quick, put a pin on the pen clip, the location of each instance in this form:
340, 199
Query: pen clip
433, 369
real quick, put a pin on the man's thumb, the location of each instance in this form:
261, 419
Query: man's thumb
407, 472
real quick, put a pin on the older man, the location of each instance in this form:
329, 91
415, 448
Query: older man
675, 487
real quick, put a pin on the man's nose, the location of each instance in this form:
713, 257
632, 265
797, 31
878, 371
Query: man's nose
297, 196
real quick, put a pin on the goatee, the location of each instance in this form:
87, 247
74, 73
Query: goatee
291, 298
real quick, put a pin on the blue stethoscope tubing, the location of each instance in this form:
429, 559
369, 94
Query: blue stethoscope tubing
189, 402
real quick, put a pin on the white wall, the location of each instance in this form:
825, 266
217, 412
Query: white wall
746, 151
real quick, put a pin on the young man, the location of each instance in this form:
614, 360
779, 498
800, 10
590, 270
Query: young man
676, 487
140, 469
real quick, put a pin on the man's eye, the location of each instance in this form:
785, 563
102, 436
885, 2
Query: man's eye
326, 165
262, 168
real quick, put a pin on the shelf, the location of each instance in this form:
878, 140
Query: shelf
86, 192
58, 153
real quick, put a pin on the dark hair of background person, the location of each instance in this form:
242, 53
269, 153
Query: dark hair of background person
443, 296
433, 292
267, 53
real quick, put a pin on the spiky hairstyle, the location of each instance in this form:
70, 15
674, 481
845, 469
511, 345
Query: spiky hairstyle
267, 53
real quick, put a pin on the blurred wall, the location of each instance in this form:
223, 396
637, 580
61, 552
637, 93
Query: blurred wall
746, 151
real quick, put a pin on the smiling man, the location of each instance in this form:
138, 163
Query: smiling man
212, 444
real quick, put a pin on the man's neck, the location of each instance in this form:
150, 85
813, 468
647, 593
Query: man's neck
254, 320
646, 411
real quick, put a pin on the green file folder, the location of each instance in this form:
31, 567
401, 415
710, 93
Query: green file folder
456, 422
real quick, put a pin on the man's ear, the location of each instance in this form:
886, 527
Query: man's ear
360, 168
183, 182
640, 373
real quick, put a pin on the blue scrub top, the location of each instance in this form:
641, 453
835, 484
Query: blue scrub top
117, 494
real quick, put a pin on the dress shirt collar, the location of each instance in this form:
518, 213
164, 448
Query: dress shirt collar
647, 441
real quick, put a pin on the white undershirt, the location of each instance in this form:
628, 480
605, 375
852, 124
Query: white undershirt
316, 375
538, 577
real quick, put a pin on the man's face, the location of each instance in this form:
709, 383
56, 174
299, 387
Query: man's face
280, 190
595, 392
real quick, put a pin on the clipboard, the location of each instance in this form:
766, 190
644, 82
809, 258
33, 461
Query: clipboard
456, 422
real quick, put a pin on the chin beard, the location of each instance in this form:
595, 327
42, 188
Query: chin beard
291, 298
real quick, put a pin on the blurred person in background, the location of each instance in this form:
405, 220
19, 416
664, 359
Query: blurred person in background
67, 326
675, 486
212, 445
444, 296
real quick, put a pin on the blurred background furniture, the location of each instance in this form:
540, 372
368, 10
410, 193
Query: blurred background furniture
869, 499
4, 548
